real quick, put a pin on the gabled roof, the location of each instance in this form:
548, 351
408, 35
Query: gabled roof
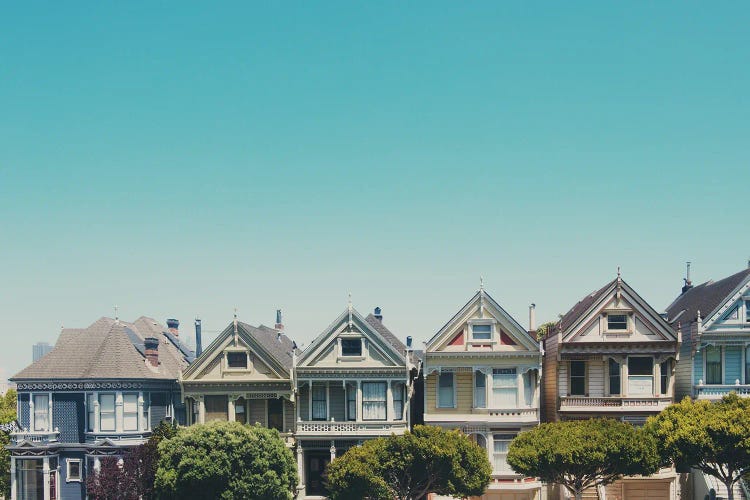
706, 298
584, 305
108, 349
385, 332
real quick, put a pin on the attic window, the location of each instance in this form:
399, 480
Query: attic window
617, 322
236, 360
351, 347
481, 332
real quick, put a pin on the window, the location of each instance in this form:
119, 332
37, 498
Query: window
90, 412
319, 403
614, 377
240, 410
747, 365
130, 412
351, 347
237, 360
500, 453
640, 376
41, 412
73, 472
481, 332
399, 397
480, 390
217, 408
747, 311
276, 414
106, 412
146, 406
666, 367
713, 364
30, 478
351, 402
504, 388
445, 390
373, 400
617, 322
577, 378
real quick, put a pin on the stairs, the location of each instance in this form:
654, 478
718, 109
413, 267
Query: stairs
721, 490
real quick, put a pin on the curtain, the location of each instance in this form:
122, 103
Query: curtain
351, 402
398, 401
373, 400
480, 390
320, 406
504, 388
41, 412
713, 365
501, 442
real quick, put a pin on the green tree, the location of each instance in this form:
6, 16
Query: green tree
225, 460
427, 460
7, 415
711, 437
544, 328
581, 454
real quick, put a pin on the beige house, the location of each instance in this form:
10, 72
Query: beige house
244, 376
482, 376
612, 355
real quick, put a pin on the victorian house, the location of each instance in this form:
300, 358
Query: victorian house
482, 376
101, 390
244, 375
352, 383
612, 355
714, 318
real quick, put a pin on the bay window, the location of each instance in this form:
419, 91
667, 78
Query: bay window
41, 412
713, 364
146, 407
319, 402
106, 412
504, 388
217, 408
577, 378
90, 412
445, 390
640, 376
665, 369
374, 400
614, 377
480, 390
130, 412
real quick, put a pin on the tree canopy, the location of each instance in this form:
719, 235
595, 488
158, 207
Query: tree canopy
7, 415
581, 454
711, 437
427, 460
226, 460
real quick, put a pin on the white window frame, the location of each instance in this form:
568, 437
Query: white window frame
33, 410
248, 362
67, 470
653, 377
385, 402
515, 373
477, 392
438, 403
705, 364
124, 413
114, 411
628, 321
396, 414
349, 336
493, 331
502, 438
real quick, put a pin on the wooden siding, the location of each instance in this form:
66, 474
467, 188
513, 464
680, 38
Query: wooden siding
549, 380
684, 369
463, 382
289, 416
562, 378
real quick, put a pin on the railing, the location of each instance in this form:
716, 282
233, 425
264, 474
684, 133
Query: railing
512, 413
92, 437
717, 391
343, 428
615, 403
36, 437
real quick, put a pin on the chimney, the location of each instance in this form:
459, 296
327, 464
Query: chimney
198, 340
173, 325
279, 325
408, 342
378, 313
152, 351
688, 284
532, 318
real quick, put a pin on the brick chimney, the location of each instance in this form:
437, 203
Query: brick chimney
173, 325
152, 351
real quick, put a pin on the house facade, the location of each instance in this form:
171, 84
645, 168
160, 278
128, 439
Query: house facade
101, 390
482, 375
714, 318
352, 383
244, 375
612, 355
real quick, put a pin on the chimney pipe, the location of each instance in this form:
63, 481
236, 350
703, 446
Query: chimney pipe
198, 340
378, 313
532, 317
688, 284
279, 325
152, 351
174, 326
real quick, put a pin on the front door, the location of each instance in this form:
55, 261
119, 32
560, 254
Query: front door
315, 469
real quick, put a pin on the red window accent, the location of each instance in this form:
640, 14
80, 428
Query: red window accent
505, 339
458, 339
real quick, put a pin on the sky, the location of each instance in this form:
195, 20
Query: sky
183, 159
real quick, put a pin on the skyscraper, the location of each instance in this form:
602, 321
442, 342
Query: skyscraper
40, 349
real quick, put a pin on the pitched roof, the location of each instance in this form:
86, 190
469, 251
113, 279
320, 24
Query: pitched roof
278, 345
705, 298
108, 349
386, 333
583, 305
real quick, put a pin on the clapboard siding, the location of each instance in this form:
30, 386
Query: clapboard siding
337, 402
289, 416
549, 379
258, 411
464, 393
684, 369
303, 400
562, 379
698, 367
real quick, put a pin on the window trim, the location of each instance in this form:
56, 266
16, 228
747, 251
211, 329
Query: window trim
437, 389
351, 389
385, 403
313, 400
361, 354
505, 437
665, 375
721, 362
653, 377
477, 392
482, 321
629, 321
610, 361
113, 412
137, 413
70, 461
225, 360
33, 411
585, 378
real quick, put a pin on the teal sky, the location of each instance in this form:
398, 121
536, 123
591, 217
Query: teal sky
183, 159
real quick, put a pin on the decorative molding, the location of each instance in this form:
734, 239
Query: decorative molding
82, 386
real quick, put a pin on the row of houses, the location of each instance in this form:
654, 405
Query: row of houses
105, 387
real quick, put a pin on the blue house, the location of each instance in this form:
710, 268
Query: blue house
101, 390
714, 318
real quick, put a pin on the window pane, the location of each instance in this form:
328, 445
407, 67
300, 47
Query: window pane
237, 359
320, 406
713, 365
665, 369
107, 422
374, 400
90, 413
41, 412
107, 402
577, 378
480, 390
614, 377
130, 403
217, 408
445, 392
578, 368
501, 442
640, 366
747, 311
351, 402
504, 388
617, 322
351, 347
481, 332
74, 469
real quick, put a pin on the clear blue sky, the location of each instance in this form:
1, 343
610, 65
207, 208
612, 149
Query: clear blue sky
184, 159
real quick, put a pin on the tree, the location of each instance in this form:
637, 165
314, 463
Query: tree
544, 328
711, 437
225, 460
581, 454
7, 415
427, 460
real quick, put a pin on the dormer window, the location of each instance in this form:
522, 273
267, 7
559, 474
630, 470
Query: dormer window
481, 332
351, 347
617, 322
237, 360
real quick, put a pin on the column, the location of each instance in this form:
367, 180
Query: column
201, 410
624, 377
45, 472
301, 469
230, 407
657, 377
140, 413
519, 388
118, 412
97, 412
13, 485
333, 450
359, 400
389, 400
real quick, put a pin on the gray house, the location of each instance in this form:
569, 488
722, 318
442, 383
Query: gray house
101, 390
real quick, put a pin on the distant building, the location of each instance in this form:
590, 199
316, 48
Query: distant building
40, 349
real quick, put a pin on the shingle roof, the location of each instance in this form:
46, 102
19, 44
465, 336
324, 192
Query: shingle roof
705, 298
583, 305
107, 349
386, 333
278, 345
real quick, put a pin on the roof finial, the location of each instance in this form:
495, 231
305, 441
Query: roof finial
235, 327
481, 283
619, 276
350, 310
117, 317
